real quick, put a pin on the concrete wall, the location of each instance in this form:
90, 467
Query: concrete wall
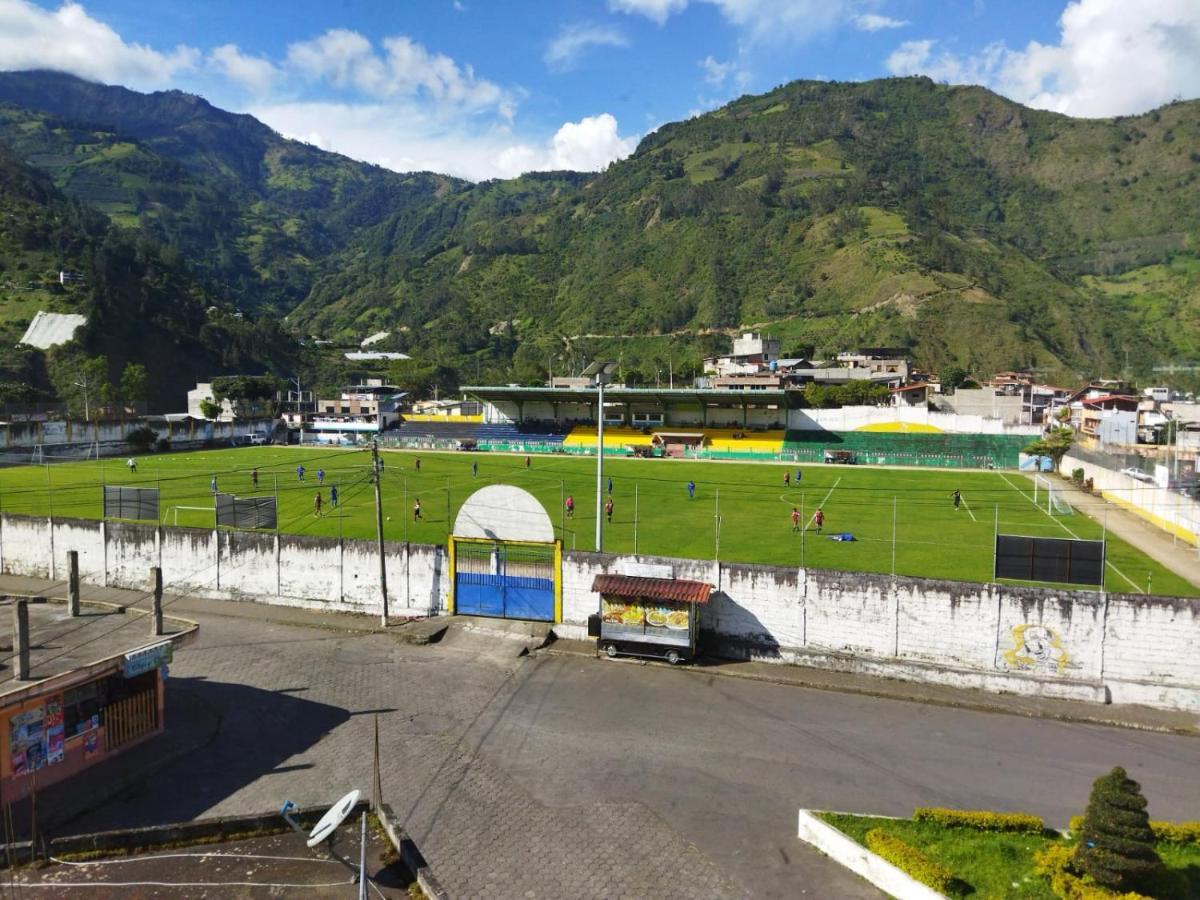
1169, 510
851, 418
1083, 645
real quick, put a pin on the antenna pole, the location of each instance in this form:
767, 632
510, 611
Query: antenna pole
383, 619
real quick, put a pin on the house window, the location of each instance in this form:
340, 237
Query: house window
81, 704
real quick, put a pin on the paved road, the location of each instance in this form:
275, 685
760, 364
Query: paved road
553, 775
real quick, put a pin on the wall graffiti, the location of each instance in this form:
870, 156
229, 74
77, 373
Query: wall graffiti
1036, 647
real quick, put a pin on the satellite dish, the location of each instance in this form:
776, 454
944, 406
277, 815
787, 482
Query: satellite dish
332, 819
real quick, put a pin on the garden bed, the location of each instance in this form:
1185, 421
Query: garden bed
996, 864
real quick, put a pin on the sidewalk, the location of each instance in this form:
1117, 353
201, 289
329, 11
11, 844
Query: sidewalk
1177, 556
419, 631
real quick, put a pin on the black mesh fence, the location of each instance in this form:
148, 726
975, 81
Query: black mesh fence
1058, 560
130, 503
246, 512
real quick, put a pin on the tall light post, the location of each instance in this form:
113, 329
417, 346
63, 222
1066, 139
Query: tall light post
600, 372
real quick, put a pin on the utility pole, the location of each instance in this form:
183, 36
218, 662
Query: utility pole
599, 459
379, 531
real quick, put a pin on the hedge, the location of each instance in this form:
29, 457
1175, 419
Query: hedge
1053, 864
1167, 832
980, 820
910, 860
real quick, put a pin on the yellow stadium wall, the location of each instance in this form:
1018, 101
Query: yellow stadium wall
421, 417
901, 427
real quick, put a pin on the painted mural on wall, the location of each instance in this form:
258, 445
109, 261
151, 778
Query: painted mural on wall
37, 737
1036, 648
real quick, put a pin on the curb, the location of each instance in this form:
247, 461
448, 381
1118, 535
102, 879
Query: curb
410, 854
861, 861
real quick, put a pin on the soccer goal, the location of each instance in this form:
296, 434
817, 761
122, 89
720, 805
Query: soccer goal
56, 453
1049, 496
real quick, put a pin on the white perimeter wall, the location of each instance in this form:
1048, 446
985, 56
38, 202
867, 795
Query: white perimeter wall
1169, 510
850, 418
1084, 645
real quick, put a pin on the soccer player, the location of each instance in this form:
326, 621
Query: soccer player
300, 472
320, 476
691, 490
818, 519
254, 478
213, 484
610, 485
417, 509
417, 464
317, 505
799, 475
132, 463
474, 470
795, 519
333, 496
787, 479
570, 506
957, 495
608, 508
528, 462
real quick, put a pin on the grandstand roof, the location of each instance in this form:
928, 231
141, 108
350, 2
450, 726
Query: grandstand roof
51, 329
663, 396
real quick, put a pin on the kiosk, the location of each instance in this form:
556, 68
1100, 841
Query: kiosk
655, 617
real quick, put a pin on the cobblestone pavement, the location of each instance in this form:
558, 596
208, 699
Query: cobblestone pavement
562, 776
298, 709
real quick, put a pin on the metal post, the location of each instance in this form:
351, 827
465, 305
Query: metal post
995, 540
156, 616
362, 860
893, 536
599, 458
73, 582
803, 529
717, 524
562, 511
1103, 550
404, 509
21, 638
635, 517
383, 618
448, 522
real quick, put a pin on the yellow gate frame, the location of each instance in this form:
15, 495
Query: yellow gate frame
451, 606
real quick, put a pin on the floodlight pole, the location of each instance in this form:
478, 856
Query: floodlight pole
383, 619
599, 458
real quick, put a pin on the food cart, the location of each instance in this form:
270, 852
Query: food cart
655, 617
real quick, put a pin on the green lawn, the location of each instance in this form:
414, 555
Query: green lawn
1000, 866
748, 500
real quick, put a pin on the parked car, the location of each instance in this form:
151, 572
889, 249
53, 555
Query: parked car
1139, 475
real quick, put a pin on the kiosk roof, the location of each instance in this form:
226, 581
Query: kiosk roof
674, 589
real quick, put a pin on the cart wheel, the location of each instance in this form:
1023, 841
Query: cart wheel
610, 650
672, 656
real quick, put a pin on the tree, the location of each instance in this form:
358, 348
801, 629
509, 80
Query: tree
135, 383
1116, 844
1054, 444
210, 408
80, 381
250, 395
953, 377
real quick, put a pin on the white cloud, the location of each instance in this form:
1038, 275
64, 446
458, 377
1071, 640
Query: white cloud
348, 61
254, 73
564, 51
67, 39
404, 139
876, 22
1112, 58
716, 72
764, 20
658, 10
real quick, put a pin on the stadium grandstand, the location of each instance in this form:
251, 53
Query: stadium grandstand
697, 423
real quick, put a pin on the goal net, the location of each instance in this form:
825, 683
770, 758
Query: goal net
1049, 497
55, 453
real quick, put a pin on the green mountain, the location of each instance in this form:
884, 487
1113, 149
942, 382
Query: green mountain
899, 211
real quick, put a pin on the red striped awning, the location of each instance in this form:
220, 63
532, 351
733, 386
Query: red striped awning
675, 589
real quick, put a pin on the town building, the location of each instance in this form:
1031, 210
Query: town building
751, 353
370, 407
203, 391
81, 688
878, 361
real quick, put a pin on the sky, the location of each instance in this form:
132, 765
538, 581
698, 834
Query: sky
492, 88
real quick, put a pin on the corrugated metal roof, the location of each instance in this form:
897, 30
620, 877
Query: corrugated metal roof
675, 589
51, 329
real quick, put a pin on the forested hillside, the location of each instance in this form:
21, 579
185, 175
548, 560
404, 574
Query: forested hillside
979, 232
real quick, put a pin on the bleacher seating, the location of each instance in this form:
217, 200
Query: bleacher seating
523, 433
615, 437
437, 431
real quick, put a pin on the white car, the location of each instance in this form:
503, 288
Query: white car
1139, 475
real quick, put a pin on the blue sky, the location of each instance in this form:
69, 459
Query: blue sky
488, 89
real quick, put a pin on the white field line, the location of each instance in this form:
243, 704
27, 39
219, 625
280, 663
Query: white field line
821, 505
967, 506
1071, 533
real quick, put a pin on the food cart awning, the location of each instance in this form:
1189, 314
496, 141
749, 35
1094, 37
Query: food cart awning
675, 589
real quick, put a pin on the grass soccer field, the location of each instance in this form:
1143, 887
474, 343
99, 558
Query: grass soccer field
741, 511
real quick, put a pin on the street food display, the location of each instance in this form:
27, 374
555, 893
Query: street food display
648, 626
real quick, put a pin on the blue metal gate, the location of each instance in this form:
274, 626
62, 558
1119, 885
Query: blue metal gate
510, 581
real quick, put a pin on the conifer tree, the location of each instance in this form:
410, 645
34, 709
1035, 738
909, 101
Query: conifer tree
1116, 845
